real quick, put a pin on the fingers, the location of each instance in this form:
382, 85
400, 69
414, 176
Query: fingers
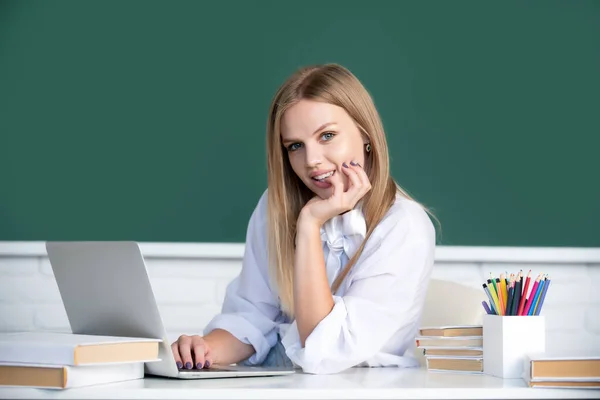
208, 358
338, 185
362, 174
184, 344
359, 183
190, 352
200, 350
176, 356
352, 174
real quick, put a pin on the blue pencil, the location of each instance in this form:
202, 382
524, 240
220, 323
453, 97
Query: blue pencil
517, 298
539, 307
511, 298
535, 299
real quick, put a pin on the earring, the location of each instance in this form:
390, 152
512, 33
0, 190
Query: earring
368, 147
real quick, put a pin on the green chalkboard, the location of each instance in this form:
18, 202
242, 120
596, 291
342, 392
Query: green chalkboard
145, 120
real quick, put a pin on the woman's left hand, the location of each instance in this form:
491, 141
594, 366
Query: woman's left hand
321, 210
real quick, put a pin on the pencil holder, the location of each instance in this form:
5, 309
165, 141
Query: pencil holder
506, 341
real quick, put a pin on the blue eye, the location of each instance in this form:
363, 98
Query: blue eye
327, 136
294, 146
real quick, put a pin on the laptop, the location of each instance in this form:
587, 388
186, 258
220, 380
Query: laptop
106, 291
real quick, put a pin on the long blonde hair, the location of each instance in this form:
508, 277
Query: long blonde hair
287, 194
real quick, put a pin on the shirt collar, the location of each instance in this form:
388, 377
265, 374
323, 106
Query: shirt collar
345, 232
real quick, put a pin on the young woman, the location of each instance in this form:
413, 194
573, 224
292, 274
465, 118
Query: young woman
337, 257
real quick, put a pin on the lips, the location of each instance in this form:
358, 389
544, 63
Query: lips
322, 184
320, 172
324, 176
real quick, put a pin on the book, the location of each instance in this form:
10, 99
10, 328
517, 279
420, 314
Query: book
565, 384
67, 376
555, 365
452, 331
455, 364
450, 351
463, 341
75, 349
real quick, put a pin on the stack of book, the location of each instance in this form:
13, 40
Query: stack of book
562, 370
66, 360
452, 348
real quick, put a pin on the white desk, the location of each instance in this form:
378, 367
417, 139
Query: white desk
356, 383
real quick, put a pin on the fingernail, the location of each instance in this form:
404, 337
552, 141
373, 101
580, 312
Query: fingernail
188, 365
345, 165
353, 163
207, 364
179, 365
359, 165
199, 366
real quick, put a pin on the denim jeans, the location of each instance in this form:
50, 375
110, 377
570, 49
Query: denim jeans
276, 357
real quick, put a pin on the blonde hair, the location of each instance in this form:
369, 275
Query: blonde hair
287, 194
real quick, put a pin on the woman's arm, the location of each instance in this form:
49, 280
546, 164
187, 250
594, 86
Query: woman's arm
246, 326
313, 299
312, 295
226, 348
218, 347
382, 303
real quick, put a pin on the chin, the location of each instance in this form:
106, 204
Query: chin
323, 193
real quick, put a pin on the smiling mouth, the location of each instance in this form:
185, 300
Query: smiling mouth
321, 178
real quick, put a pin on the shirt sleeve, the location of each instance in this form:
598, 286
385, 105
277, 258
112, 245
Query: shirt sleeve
383, 302
250, 307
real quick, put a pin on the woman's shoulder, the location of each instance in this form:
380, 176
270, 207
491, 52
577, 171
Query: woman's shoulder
257, 224
406, 220
259, 214
263, 202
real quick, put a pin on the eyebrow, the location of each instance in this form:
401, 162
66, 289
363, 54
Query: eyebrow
325, 125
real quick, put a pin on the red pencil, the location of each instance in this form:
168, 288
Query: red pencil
524, 294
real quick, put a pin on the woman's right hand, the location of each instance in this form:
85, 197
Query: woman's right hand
192, 351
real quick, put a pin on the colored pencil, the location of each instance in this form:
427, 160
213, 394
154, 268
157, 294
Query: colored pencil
500, 299
506, 281
524, 294
494, 290
489, 295
494, 283
538, 295
511, 293
517, 299
485, 306
504, 291
495, 298
531, 299
541, 303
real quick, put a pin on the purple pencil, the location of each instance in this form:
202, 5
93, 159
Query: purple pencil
485, 306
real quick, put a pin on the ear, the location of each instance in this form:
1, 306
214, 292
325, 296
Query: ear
365, 138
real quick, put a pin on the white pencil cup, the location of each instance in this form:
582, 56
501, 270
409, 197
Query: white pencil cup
506, 341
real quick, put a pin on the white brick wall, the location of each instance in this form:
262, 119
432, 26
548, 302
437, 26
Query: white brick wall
189, 281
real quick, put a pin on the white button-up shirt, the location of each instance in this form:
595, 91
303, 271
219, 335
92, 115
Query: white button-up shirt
377, 307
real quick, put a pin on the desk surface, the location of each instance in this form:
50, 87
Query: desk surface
355, 383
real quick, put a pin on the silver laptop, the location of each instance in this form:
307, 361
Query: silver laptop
106, 291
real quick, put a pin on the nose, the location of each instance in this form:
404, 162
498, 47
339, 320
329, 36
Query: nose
313, 156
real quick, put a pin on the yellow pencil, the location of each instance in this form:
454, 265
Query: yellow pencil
498, 298
503, 291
